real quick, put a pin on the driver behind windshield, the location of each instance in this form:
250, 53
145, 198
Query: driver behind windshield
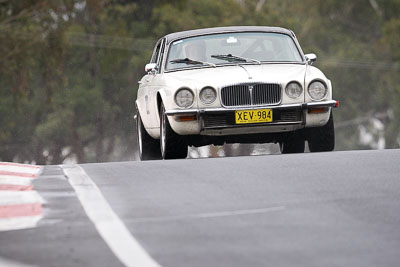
196, 51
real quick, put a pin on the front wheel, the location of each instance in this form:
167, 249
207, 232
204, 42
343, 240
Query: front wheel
173, 146
149, 148
322, 139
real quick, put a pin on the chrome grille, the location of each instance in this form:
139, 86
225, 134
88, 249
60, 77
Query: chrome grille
251, 94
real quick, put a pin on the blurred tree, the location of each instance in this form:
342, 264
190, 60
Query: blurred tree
69, 68
390, 80
29, 32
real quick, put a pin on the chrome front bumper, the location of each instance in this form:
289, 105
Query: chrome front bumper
219, 125
304, 106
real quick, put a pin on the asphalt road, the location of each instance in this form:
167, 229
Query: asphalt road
312, 209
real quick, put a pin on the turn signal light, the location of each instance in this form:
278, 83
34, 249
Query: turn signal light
317, 110
185, 118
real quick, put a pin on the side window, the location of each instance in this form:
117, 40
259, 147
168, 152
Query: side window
156, 52
161, 56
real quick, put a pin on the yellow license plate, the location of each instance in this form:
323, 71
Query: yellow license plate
253, 116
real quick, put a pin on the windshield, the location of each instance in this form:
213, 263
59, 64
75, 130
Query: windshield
228, 48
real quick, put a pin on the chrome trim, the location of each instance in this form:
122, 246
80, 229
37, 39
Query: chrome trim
311, 58
173, 112
328, 103
262, 129
251, 87
230, 65
257, 125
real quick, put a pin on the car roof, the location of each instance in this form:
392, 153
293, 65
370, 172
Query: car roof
184, 34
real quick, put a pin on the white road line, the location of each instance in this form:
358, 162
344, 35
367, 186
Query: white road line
110, 227
209, 215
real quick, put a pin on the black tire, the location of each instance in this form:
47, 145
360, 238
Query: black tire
322, 139
149, 148
172, 145
293, 143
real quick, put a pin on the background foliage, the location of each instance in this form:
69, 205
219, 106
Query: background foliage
69, 68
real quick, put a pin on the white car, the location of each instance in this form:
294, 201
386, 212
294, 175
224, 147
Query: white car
232, 85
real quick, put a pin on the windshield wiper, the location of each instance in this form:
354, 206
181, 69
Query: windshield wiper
232, 58
191, 62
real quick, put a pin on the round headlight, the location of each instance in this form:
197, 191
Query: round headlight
184, 98
208, 95
293, 90
317, 90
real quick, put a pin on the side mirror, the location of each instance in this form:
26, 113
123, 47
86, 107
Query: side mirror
151, 67
311, 58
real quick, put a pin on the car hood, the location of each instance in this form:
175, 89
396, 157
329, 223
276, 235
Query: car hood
225, 75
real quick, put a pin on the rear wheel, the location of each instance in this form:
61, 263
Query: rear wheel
322, 139
149, 148
173, 146
293, 143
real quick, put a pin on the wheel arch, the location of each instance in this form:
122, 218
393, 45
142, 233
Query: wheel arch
162, 99
159, 102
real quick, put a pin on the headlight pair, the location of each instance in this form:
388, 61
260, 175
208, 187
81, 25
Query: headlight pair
184, 97
317, 90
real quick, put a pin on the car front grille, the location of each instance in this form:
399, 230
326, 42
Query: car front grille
251, 94
227, 119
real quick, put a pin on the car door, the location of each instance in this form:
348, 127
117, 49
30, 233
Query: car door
147, 93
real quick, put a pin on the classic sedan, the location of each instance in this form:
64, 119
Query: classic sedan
249, 84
